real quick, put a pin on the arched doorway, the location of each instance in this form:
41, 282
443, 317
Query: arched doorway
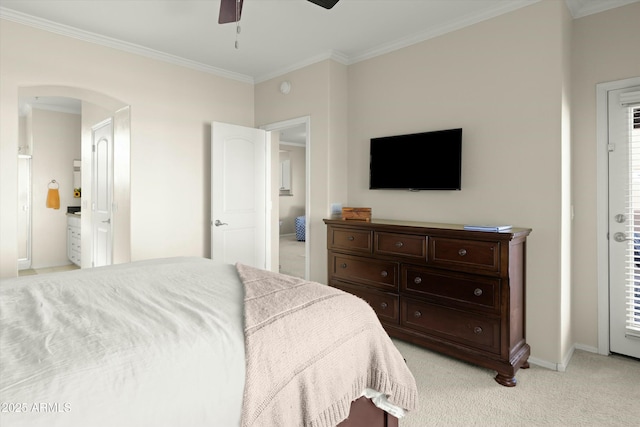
95, 107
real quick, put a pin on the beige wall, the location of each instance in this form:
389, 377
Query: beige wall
56, 143
317, 91
502, 82
171, 111
510, 82
605, 48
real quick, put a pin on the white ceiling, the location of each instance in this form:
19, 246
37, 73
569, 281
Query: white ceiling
276, 36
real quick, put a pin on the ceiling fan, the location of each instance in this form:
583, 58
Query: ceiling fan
231, 10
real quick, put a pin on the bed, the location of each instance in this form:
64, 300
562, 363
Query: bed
191, 342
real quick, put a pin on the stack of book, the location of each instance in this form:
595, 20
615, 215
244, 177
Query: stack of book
487, 227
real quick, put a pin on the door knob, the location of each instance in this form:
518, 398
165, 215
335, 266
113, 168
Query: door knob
620, 218
218, 223
620, 237
107, 221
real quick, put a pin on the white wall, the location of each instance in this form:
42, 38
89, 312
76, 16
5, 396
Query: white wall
171, 111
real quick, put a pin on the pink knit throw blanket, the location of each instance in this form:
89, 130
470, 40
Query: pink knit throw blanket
311, 350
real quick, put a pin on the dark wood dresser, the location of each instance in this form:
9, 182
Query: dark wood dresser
458, 292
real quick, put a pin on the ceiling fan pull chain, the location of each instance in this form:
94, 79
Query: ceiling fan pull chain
237, 22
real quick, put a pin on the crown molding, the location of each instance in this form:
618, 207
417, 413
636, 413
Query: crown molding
581, 8
87, 36
578, 9
331, 54
457, 24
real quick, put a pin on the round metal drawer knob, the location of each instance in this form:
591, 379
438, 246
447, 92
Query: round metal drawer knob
384, 273
351, 238
477, 292
417, 280
383, 305
417, 314
343, 265
399, 244
477, 330
462, 252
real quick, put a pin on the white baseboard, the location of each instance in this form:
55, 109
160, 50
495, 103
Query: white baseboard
562, 366
24, 264
543, 363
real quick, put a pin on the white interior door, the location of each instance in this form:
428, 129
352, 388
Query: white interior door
102, 193
239, 193
624, 221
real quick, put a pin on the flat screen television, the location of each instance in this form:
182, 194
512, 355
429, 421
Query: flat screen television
419, 161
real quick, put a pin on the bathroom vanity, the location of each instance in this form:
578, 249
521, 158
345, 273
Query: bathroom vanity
73, 237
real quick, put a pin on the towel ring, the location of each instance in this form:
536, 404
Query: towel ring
53, 181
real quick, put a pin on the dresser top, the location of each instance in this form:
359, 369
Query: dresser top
381, 223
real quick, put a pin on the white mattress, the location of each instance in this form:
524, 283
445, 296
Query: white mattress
152, 343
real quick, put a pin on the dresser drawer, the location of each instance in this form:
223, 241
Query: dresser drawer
372, 272
456, 253
384, 304
462, 289
401, 245
454, 325
350, 240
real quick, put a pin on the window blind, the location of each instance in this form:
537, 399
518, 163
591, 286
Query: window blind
628, 99
631, 101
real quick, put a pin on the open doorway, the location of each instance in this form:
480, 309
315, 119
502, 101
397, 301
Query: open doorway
69, 167
292, 183
49, 144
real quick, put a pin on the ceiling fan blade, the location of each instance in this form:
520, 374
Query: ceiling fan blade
228, 12
327, 4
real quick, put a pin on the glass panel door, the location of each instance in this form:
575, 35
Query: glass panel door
624, 222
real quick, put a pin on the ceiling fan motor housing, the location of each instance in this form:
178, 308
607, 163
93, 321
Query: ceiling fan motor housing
327, 4
231, 10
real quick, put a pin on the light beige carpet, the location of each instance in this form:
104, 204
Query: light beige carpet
292, 257
595, 390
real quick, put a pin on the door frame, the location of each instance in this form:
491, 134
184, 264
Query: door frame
25, 263
278, 126
602, 204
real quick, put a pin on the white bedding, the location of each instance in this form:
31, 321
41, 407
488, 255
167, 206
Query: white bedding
152, 343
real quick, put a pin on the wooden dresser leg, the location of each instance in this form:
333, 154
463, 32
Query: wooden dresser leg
506, 380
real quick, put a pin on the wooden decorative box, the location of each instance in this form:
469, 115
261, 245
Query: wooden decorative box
356, 214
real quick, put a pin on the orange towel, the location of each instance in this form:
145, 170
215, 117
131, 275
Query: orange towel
53, 198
